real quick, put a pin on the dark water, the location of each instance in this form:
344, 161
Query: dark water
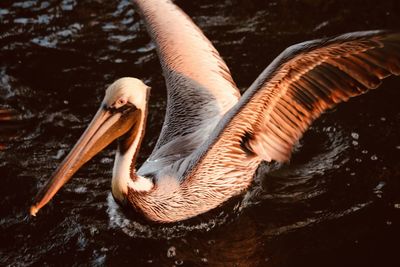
336, 204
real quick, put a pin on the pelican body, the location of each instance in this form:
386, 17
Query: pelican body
213, 139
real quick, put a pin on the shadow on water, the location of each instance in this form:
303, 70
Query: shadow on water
336, 203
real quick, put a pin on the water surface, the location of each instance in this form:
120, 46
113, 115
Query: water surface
336, 204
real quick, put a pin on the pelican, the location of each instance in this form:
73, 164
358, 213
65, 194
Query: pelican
213, 139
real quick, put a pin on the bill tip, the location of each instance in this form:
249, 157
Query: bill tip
33, 210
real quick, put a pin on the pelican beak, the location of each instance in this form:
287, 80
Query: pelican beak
106, 126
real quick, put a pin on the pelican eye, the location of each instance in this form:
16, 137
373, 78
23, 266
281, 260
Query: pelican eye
121, 102
122, 109
125, 107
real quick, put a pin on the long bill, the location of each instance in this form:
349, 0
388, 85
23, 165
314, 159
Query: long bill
105, 127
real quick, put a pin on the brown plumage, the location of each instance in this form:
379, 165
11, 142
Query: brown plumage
212, 142
303, 82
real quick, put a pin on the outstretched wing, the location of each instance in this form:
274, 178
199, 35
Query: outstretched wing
200, 86
304, 81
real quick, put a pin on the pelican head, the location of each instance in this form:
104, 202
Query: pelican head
121, 115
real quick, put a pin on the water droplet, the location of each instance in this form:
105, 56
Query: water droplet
388, 223
364, 151
358, 160
65, 102
4, 11
397, 206
60, 153
197, 251
179, 262
383, 119
204, 260
380, 185
211, 242
80, 190
68, 5
353, 173
397, 147
24, 4
82, 242
99, 260
106, 160
374, 157
109, 26
321, 25
347, 169
171, 252
355, 135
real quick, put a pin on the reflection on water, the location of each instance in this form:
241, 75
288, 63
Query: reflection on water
336, 203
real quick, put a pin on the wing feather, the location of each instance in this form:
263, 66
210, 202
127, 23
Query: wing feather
299, 85
332, 75
200, 88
